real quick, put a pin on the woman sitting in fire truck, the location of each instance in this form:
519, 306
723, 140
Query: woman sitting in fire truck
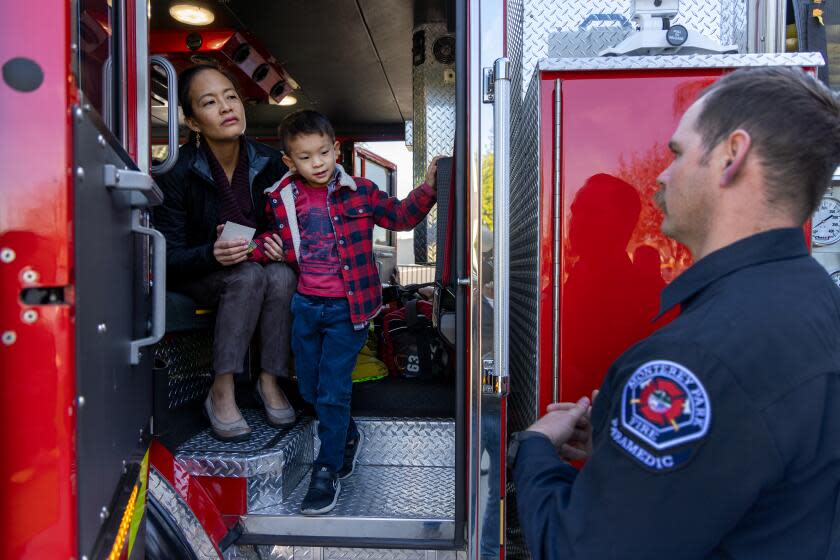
219, 178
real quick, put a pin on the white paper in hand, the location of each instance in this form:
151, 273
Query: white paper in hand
233, 231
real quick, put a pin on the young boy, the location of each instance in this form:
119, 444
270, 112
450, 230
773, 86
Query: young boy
322, 222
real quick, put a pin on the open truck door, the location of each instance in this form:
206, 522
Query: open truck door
82, 278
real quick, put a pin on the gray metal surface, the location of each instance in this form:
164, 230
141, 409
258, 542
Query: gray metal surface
433, 127
189, 359
186, 520
274, 461
407, 442
394, 493
281, 552
552, 28
524, 262
115, 398
677, 62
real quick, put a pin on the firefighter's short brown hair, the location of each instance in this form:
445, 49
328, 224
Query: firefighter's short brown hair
793, 121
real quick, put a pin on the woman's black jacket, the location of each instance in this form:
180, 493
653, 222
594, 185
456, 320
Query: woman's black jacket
190, 211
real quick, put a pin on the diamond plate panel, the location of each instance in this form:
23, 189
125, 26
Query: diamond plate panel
687, 61
416, 443
385, 492
373, 554
559, 28
279, 552
188, 356
433, 128
190, 527
274, 461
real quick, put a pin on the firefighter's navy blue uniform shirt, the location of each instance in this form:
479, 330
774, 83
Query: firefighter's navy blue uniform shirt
716, 437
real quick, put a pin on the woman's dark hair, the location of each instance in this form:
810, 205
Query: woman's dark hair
304, 122
185, 81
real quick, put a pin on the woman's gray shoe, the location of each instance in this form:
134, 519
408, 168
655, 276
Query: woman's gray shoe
277, 417
237, 430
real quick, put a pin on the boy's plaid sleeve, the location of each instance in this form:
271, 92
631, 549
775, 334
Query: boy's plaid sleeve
392, 213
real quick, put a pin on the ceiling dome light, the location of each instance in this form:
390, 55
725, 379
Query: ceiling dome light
288, 101
191, 14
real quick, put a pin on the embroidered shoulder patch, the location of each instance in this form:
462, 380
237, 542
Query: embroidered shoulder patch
663, 405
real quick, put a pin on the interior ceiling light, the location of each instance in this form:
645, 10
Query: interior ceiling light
288, 101
191, 14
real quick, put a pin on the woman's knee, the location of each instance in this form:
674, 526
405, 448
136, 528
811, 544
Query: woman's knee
247, 276
280, 280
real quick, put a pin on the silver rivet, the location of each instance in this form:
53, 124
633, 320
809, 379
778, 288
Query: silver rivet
80, 400
9, 338
79, 114
74, 47
29, 276
7, 255
29, 316
80, 173
86, 107
346, 267
103, 514
101, 140
101, 328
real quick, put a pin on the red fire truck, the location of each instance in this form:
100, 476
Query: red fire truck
545, 243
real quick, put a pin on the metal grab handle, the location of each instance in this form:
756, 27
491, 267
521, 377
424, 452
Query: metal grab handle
501, 223
615, 18
172, 112
158, 287
135, 181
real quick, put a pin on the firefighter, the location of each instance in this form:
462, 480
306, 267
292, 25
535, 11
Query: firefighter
716, 436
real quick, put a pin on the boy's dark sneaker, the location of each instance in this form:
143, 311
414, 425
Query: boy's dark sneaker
351, 454
322, 495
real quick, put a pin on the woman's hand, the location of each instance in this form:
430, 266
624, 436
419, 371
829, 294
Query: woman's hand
230, 252
273, 247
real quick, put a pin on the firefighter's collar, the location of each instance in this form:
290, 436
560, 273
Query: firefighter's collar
767, 246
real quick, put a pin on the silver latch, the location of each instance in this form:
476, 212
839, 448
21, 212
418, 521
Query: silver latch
144, 191
488, 86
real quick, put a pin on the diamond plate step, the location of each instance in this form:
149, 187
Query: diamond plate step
273, 460
404, 503
403, 488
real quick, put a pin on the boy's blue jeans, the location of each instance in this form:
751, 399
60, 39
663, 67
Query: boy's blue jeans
325, 347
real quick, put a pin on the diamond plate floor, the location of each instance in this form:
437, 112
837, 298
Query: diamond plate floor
403, 487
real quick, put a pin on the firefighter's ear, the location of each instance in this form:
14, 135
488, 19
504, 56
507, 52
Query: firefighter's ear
736, 147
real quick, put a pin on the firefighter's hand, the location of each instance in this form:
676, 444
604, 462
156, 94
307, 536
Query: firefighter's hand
561, 426
273, 247
579, 446
230, 252
431, 172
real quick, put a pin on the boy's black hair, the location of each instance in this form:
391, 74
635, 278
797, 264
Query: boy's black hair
304, 122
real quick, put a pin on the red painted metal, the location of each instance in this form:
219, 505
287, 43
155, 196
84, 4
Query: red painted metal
230, 494
37, 388
614, 259
191, 491
131, 76
239, 52
375, 158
